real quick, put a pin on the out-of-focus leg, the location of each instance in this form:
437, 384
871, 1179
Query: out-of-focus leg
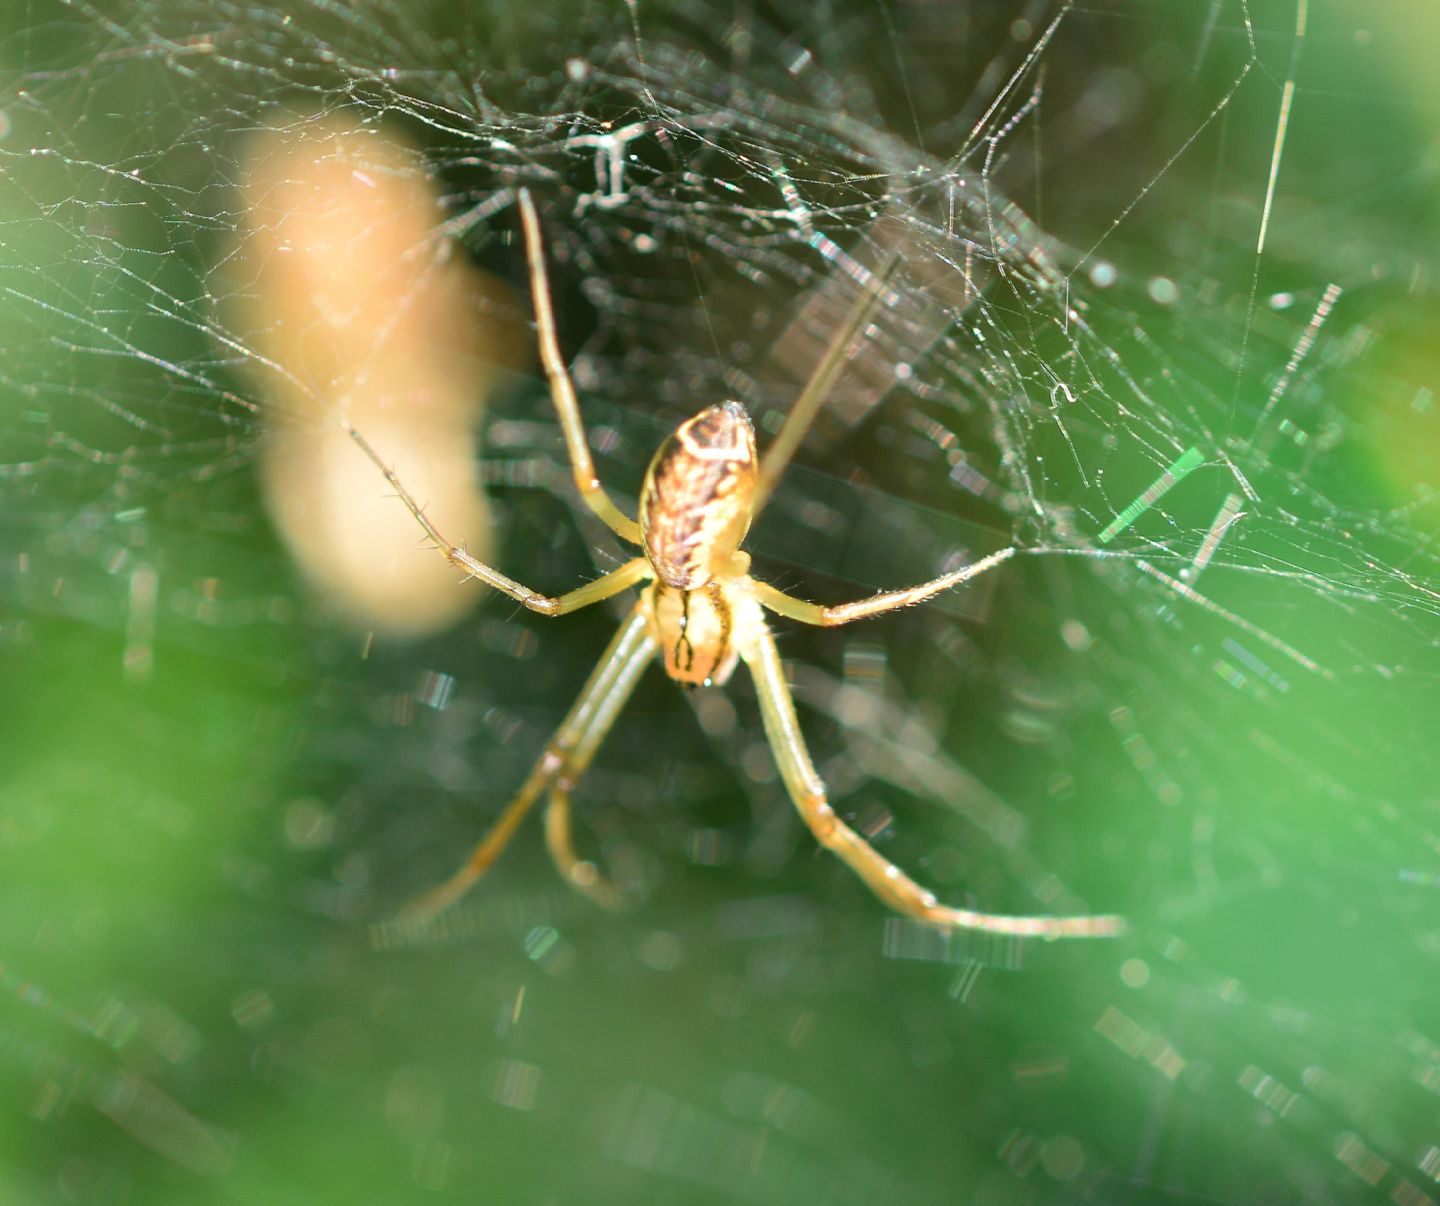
566, 755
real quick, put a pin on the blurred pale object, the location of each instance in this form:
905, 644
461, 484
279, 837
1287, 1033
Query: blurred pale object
354, 305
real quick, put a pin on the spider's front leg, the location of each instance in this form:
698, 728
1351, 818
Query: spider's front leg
562, 389
881, 876
566, 756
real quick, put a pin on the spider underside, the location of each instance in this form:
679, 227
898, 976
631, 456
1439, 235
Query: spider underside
702, 613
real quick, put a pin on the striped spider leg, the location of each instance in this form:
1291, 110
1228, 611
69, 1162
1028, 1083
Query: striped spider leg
701, 613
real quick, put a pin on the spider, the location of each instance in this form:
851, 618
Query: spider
702, 613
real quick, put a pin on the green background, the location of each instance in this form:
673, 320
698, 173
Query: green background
200, 997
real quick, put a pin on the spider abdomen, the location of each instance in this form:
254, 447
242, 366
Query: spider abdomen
698, 496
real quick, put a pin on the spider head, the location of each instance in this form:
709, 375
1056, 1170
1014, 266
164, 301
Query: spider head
699, 495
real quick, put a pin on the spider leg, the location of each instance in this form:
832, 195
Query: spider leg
812, 396
589, 722
566, 756
881, 876
603, 587
576, 871
562, 389
828, 617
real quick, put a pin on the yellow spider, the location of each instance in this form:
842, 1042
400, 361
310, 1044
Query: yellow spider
701, 612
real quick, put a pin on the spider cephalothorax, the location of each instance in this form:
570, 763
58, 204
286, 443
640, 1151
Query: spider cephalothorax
701, 613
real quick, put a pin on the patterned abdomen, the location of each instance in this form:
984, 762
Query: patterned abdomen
696, 502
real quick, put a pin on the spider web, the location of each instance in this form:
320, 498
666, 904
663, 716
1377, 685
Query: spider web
1161, 323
